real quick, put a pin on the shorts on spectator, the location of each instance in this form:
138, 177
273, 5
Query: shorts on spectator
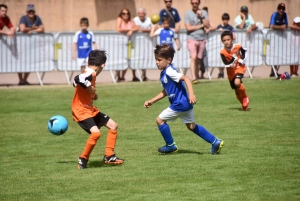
196, 48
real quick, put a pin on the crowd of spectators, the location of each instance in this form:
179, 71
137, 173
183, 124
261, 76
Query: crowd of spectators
196, 21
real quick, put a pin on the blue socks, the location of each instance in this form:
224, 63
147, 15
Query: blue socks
204, 134
166, 133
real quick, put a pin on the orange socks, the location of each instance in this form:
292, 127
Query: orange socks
240, 93
90, 144
111, 142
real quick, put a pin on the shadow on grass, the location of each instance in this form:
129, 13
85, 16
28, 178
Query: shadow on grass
100, 164
239, 109
184, 151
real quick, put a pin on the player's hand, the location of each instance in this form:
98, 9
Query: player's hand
178, 48
193, 99
148, 103
96, 97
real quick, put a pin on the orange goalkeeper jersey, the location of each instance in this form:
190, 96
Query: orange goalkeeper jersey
231, 57
82, 104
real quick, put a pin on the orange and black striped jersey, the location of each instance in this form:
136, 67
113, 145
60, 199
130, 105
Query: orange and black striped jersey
82, 104
234, 60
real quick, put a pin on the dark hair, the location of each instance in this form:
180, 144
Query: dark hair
166, 19
225, 16
97, 58
3, 5
84, 20
120, 14
226, 33
165, 51
205, 8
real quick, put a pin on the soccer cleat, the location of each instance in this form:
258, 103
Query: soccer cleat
168, 149
245, 103
113, 159
195, 81
82, 162
217, 146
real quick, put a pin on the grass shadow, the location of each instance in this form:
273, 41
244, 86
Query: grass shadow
240, 109
185, 151
99, 164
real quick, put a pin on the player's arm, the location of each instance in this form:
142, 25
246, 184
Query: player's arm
158, 97
227, 63
177, 27
177, 43
153, 31
84, 82
74, 50
188, 84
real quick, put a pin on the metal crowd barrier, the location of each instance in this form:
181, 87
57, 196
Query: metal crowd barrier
282, 48
27, 53
42, 53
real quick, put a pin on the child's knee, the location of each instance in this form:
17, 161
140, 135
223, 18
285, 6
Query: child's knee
190, 126
159, 121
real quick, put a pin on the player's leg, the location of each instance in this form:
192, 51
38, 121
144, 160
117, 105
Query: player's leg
221, 73
111, 139
163, 127
241, 91
89, 126
134, 77
188, 118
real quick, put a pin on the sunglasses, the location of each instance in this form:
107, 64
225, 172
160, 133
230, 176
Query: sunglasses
125, 13
30, 4
194, 3
283, 9
168, 1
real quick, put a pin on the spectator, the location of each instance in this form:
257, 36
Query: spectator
195, 21
295, 26
30, 23
125, 26
225, 26
5, 21
144, 24
244, 21
278, 21
166, 34
83, 43
172, 13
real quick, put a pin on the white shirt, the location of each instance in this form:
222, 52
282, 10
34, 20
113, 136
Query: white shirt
248, 22
147, 24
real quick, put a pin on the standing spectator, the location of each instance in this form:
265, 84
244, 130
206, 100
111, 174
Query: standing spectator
225, 26
278, 21
83, 43
144, 24
244, 21
5, 21
166, 34
125, 26
30, 23
295, 26
172, 13
195, 21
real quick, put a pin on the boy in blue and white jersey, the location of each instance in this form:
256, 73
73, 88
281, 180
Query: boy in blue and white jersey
165, 33
83, 43
181, 100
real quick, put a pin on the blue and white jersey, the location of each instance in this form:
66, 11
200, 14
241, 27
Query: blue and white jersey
175, 89
166, 36
84, 43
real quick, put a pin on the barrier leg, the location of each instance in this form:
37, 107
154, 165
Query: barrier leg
250, 74
39, 78
139, 75
208, 73
112, 76
67, 76
275, 73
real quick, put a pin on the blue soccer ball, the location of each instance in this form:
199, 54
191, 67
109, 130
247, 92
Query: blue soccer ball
57, 125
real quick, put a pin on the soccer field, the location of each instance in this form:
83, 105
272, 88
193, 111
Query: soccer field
260, 159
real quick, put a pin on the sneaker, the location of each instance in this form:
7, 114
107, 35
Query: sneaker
145, 79
245, 103
217, 146
82, 162
220, 75
113, 159
168, 149
195, 81
135, 79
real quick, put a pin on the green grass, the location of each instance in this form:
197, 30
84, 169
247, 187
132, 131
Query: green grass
260, 159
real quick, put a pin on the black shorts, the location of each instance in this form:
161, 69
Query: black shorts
238, 76
99, 120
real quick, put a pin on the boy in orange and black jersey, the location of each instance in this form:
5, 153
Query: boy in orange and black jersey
233, 56
88, 116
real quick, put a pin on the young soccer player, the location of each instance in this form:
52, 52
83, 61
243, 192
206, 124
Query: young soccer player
88, 116
83, 42
166, 34
233, 56
181, 101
